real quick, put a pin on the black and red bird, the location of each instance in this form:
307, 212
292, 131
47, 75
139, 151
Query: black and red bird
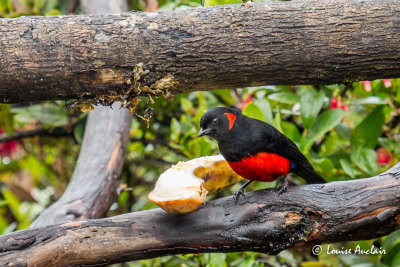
254, 149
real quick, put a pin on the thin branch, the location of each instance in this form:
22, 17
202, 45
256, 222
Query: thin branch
262, 221
347, 87
60, 131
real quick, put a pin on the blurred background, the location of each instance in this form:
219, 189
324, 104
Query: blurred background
347, 131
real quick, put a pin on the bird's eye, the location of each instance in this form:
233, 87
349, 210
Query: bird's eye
214, 121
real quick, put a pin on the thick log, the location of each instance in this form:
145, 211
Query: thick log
295, 42
262, 221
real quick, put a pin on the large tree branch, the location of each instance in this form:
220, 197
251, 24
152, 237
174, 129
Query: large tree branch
263, 221
296, 42
93, 186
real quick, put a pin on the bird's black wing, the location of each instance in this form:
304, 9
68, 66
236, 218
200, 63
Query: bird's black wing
278, 143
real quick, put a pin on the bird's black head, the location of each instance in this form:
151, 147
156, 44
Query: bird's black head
218, 122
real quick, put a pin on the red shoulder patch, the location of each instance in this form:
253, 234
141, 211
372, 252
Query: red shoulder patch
231, 119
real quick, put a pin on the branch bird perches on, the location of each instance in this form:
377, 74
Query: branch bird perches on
263, 221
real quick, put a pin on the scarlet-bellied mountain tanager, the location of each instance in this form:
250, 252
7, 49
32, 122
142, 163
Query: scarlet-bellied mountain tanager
254, 149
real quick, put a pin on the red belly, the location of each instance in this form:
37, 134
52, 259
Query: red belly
264, 167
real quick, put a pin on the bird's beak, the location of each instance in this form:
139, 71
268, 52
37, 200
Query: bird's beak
203, 132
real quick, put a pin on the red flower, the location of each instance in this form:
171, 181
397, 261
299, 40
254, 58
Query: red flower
387, 83
334, 102
247, 100
9, 148
337, 103
367, 85
383, 157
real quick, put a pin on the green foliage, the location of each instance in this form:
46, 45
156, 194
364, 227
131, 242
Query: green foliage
324, 123
253, 111
10, 8
341, 143
310, 105
6, 119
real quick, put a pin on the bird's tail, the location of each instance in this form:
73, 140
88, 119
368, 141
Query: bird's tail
310, 176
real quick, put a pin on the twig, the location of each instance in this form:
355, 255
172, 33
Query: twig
60, 131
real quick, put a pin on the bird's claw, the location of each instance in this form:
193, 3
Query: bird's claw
282, 188
240, 192
237, 195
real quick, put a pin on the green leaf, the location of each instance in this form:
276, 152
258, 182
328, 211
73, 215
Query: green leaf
265, 107
53, 12
291, 131
312, 264
186, 104
323, 165
310, 104
365, 159
391, 240
396, 260
199, 147
391, 255
79, 131
397, 98
353, 260
37, 5
49, 8
343, 131
175, 129
36, 167
47, 113
284, 97
348, 168
277, 121
226, 96
6, 119
13, 204
367, 132
253, 111
3, 203
325, 122
216, 260
372, 100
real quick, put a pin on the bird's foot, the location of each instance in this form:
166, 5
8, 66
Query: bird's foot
282, 188
237, 195
240, 192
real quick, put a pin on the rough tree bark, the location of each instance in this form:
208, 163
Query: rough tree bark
296, 42
93, 186
263, 221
